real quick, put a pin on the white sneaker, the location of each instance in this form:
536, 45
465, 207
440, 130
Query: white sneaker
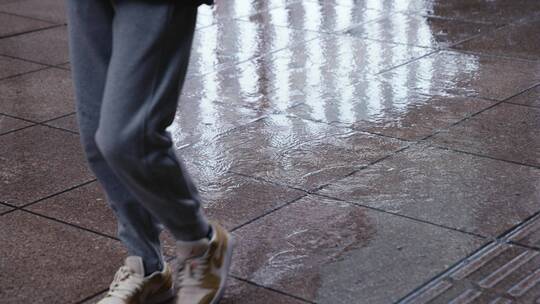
130, 286
205, 269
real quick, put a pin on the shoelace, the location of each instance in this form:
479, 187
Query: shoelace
192, 272
124, 283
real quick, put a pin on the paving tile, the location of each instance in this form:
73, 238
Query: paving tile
425, 31
4, 208
478, 195
48, 10
507, 131
48, 46
330, 252
231, 41
516, 40
67, 122
528, 98
317, 16
39, 161
8, 124
38, 253
315, 163
12, 67
202, 117
38, 96
497, 274
383, 5
239, 8
233, 200
241, 292
466, 75
12, 24
84, 206
389, 109
256, 141
490, 11
528, 234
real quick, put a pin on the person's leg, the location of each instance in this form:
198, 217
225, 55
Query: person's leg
90, 33
151, 44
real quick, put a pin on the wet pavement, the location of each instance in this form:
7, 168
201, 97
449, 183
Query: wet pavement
360, 151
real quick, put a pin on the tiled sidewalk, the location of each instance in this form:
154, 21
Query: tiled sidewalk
370, 151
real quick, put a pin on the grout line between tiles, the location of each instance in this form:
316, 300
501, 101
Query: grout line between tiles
271, 289
47, 65
267, 213
57, 193
70, 224
523, 105
33, 18
91, 296
485, 156
43, 67
484, 237
31, 31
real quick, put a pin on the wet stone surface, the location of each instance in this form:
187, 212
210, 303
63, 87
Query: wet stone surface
12, 67
319, 16
493, 133
528, 234
38, 96
12, 25
35, 259
48, 46
67, 123
487, 11
29, 174
478, 195
516, 40
497, 274
334, 253
528, 98
4, 208
467, 75
425, 31
8, 124
390, 110
47, 10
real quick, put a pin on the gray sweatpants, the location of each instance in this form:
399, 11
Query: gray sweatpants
129, 60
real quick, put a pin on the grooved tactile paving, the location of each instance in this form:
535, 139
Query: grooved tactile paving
499, 273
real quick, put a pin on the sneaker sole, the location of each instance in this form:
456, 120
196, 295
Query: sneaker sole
225, 271
162, 297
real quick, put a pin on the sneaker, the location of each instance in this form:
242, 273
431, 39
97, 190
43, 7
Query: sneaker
130, 286
205, 268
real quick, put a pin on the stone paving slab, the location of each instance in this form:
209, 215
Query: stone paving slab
47, 10
48, 46
38, 96
4, 208
303, 15
487, 11
8, 124
528, 234
516, 40
499, 273
12, 67
336, 252
390, 110
29, 174
431, 32
212, 51
67, 122
12, 25
465, 192
467, 75
493, 133
528, 98
38, 266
